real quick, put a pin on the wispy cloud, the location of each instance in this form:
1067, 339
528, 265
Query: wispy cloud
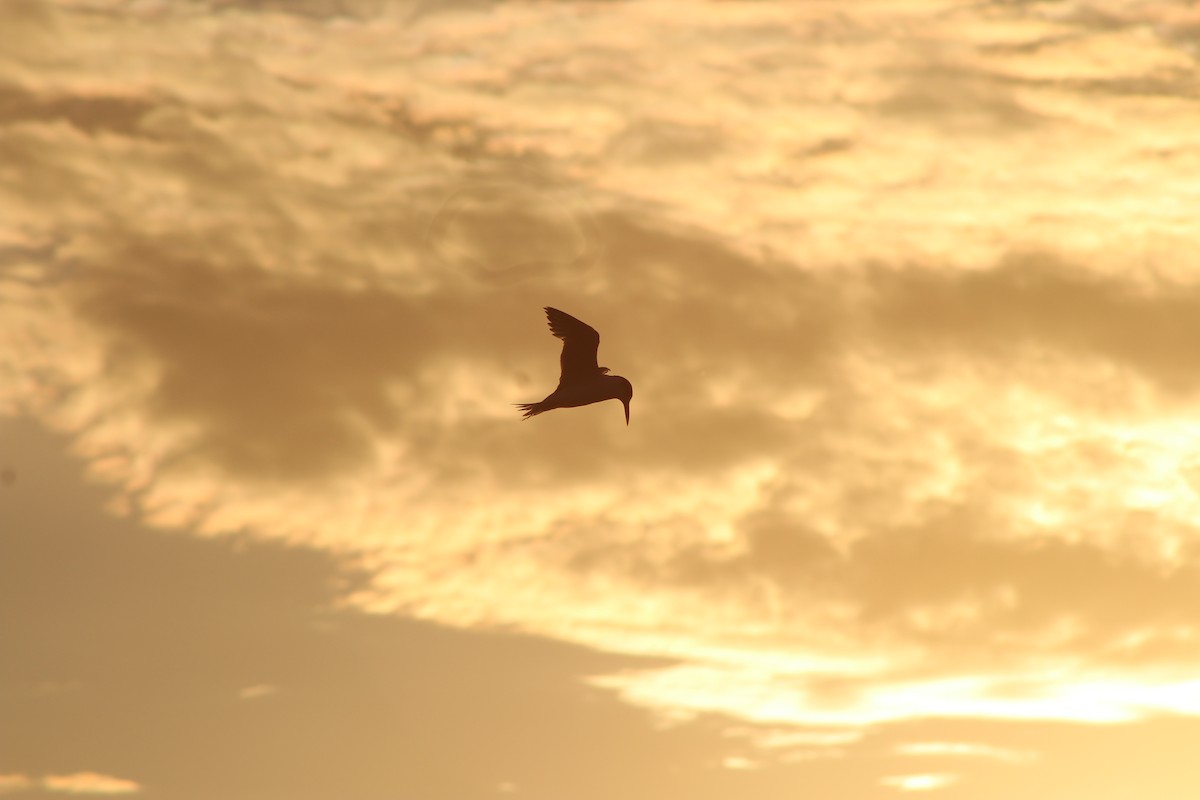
75, 783
257, 691
965, 749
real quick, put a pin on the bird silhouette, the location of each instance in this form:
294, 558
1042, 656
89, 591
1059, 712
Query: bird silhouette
582, 381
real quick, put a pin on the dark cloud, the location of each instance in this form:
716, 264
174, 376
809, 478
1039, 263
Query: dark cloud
44, 255
511, 229
1035, 301
90, 114
827, 147
1169, 83
955, 557
288, 378
660, 142
285, 379
460, 135
330, 9
697, 305
953, 97
291, 378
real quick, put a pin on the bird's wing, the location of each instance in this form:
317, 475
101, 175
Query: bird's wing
580, 343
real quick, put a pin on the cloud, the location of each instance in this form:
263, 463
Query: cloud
1038, 302
89, 114
965, 749
295, 396
661, 141
948, 95
238, 389
75, 783
909, 336
89, 783
257, 691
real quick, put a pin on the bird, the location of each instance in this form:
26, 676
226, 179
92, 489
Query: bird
582, 381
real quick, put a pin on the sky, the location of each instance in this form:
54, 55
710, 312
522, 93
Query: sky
909, 297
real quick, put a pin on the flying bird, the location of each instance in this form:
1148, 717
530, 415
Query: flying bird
582, 382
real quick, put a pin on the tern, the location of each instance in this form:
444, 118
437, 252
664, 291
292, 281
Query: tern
582, 382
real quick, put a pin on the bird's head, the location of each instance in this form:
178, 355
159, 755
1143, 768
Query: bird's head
623, 391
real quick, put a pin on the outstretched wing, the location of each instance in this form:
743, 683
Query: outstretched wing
580, 343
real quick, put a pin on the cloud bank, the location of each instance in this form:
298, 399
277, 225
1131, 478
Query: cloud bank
905, 297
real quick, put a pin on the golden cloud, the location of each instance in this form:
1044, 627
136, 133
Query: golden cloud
901, 295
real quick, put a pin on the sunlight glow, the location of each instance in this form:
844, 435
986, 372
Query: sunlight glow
919, 783
908, 289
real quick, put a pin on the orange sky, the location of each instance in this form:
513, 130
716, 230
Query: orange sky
908, 295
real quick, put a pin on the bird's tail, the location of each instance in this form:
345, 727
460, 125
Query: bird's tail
531, 409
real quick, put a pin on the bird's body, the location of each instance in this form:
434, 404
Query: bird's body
582, 381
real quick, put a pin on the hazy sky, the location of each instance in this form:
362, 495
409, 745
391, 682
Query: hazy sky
909, 295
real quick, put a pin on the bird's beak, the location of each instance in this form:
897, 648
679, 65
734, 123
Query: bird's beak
626, 402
